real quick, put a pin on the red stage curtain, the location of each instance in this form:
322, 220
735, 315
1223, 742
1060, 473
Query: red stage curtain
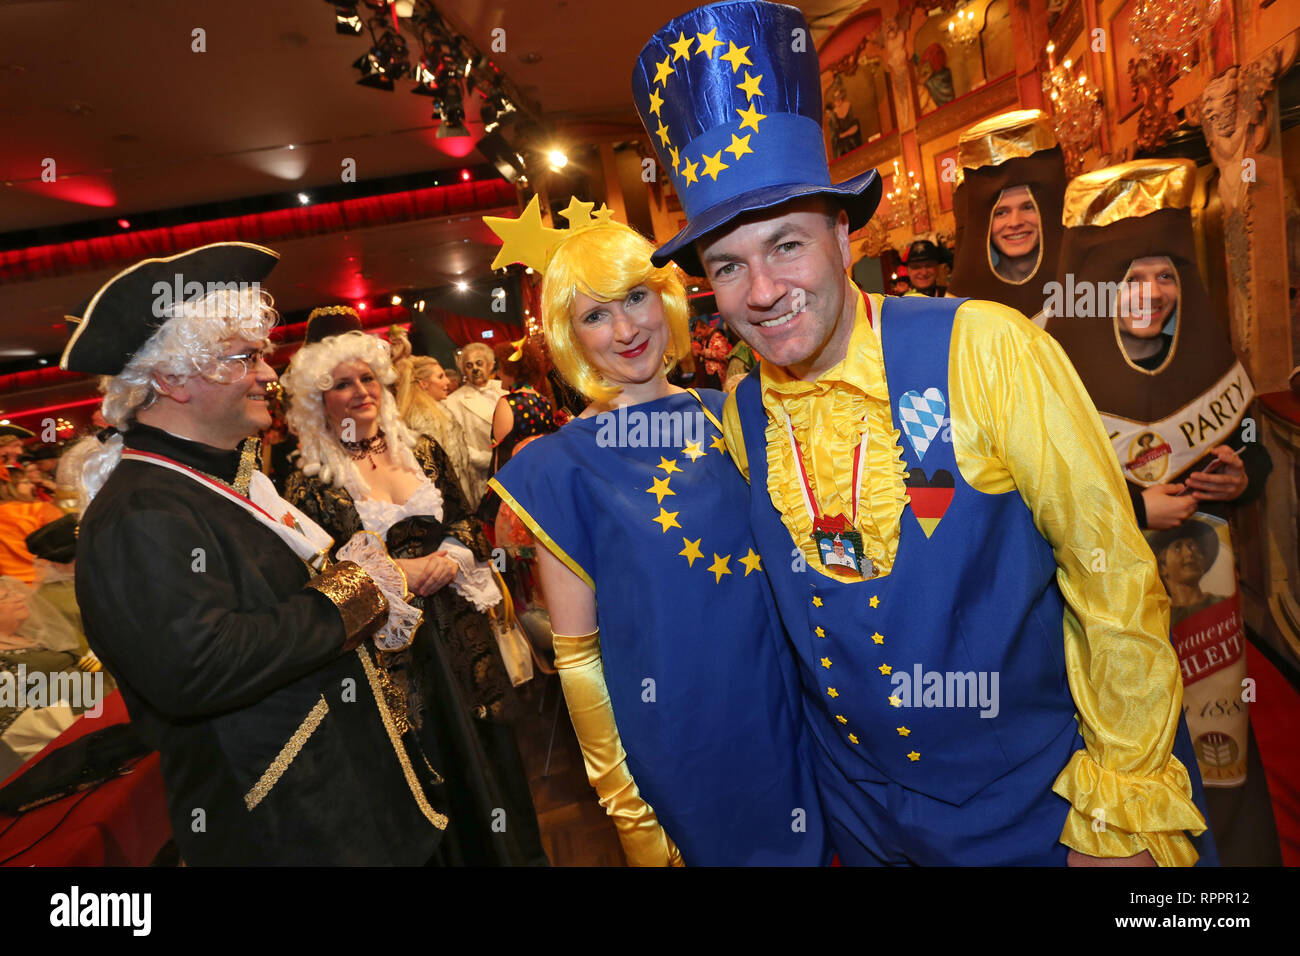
39, 262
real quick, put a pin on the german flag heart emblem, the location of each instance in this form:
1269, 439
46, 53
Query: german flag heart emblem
930, 497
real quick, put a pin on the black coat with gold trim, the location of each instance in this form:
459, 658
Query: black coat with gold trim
276, 745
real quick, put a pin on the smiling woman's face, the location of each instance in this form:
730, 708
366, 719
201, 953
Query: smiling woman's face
354, 395
624, 341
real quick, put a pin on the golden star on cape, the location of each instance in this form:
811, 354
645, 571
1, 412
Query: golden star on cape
659, 488
691, 551
694, 451
719, 566
667, 519
669, 465
752, 562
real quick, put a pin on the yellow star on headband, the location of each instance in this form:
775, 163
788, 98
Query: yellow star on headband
663, 133
750, 86
524, 239
656, 102
708, 42
750, 117
577, 212
682, 48
714, 165
688, 173
518, 353
739, 147
663, 71
603, 214
672, 150
736, 56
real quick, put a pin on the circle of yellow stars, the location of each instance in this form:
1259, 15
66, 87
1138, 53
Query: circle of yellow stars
660, 487
885, 670
706, 44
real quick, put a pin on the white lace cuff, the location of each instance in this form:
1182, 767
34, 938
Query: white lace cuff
368, 551
474, 581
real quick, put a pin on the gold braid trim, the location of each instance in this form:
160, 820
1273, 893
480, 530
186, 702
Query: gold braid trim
376, 688
355, 594
249, 454
285, 757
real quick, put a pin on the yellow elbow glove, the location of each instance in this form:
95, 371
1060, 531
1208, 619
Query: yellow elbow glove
582, 674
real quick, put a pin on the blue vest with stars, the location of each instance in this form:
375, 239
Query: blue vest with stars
892, 666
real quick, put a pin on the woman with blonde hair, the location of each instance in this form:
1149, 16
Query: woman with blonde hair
361, 470
421, 387
671, 655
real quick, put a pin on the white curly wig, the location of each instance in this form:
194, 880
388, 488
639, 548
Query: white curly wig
310, 374
187, 342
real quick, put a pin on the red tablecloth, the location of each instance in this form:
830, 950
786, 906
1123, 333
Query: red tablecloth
123, 822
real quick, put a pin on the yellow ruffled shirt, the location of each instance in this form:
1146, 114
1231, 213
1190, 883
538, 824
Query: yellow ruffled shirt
1021, 420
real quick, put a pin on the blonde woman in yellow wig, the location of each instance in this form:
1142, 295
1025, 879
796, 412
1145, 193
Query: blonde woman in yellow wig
666, 638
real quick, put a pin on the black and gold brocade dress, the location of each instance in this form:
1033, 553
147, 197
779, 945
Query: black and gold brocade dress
458, 693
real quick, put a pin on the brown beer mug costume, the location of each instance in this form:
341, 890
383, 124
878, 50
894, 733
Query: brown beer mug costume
1008, 209
1132, 312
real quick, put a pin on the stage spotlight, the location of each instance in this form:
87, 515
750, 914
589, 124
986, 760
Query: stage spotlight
461, 285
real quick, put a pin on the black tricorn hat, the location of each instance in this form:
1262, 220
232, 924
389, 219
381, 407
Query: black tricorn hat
112, 325
17, 430
331, 320
923, 250
1202, 533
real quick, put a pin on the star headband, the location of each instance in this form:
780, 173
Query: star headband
526, 240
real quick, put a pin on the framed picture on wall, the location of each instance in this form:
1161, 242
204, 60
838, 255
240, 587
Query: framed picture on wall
945, 168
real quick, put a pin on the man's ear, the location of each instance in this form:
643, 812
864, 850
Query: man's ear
842, 237
172, 386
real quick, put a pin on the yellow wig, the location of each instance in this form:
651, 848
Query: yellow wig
606, 262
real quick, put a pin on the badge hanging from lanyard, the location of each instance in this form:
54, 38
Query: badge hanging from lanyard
836, 538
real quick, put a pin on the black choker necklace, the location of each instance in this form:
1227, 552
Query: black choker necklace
367, 447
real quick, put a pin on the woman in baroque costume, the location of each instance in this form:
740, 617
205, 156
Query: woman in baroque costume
360, 469
677, 679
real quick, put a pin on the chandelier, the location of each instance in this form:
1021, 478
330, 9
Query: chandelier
962, 27
902, 198
1172, 26
1076, 109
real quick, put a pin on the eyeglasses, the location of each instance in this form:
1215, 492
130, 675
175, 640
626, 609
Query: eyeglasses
233, 368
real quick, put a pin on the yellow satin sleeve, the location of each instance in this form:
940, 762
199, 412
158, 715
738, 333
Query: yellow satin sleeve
582, 674
1022, 419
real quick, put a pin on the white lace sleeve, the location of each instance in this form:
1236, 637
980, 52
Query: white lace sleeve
368, 550
474, 581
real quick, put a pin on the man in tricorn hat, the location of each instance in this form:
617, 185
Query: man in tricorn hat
239, 652
997, 535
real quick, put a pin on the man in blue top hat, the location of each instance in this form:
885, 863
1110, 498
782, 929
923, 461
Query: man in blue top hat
988, 677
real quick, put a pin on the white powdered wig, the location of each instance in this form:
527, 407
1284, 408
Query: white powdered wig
187, 342
310, 374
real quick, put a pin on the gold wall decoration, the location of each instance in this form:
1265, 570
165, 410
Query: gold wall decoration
1151, 76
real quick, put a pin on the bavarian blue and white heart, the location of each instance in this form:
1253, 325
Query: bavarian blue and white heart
922, 415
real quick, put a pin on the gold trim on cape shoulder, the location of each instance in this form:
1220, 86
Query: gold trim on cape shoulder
540, 533
439, 820
285, 757
1128, 191
250, 453
1012, 135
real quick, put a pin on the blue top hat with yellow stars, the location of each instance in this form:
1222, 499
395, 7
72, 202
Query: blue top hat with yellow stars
731, 98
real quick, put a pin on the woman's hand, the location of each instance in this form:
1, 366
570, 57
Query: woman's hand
428, 574
1226, 483
1167, 507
